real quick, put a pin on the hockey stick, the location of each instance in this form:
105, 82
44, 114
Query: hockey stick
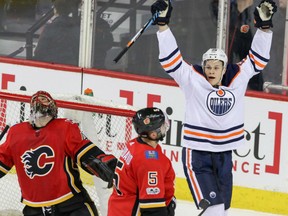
136, 36
4, 131
204, 204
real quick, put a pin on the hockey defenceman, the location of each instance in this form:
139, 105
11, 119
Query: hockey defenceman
214, 118
46, 152
144, 176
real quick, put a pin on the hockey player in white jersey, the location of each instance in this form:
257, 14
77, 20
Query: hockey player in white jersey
214, 117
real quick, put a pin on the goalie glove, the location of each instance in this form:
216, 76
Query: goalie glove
102, 166
164, 9
263, 14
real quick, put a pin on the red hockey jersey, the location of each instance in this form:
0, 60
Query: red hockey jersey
144, 179
45, 160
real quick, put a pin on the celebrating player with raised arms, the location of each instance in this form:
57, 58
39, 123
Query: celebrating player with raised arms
144, 176
47, 152
214, 118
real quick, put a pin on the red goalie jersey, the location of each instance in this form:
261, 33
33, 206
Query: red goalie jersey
45, 158
143, 182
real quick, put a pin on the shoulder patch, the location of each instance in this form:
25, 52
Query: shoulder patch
151, 155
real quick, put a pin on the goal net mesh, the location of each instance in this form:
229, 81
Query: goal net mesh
107, 124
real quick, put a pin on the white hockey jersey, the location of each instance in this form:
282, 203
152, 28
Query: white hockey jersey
214, 117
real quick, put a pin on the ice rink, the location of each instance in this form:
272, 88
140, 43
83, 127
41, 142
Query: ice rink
188, 208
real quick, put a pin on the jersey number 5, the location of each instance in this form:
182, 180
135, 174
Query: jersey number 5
152, 178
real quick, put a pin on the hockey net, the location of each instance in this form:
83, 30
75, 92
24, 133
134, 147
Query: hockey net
107, 124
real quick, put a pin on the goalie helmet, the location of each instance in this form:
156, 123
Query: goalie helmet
151, 119
216, 54
38, 108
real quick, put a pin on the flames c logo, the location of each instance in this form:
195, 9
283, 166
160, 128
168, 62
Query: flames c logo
32, 164
220, 102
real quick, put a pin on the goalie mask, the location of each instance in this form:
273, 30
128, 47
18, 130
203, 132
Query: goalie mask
151, 119
42, 105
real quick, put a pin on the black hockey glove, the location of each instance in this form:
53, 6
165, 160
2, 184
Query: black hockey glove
102, 166
164, 8
171, 207
263, 14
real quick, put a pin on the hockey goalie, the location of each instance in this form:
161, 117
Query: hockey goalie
47, 153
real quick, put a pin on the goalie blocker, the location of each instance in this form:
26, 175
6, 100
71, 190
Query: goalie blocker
102, 166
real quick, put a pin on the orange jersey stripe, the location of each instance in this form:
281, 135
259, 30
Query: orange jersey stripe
172, 62
256, 62
196, 189
213, 136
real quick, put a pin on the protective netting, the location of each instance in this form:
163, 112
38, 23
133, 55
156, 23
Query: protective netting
105, 123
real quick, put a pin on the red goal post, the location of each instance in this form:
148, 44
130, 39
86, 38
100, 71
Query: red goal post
107, 124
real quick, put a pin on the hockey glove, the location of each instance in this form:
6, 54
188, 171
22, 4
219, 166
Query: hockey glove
263, 14
171, 207
164, 8
102, 166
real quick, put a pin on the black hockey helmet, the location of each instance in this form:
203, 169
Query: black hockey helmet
151, 119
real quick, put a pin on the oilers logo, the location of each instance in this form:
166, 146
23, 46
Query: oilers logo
220, 102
